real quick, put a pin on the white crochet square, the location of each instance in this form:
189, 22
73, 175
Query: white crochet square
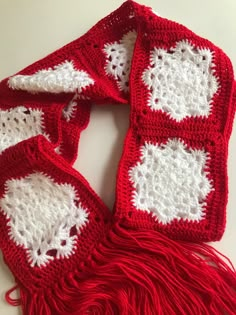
181, 81
171, 182
61, 78
119, 58
41, 215
18, 124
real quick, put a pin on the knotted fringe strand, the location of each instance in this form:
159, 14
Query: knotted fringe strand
140, 272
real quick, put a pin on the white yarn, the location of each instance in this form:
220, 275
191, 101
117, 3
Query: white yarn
118, 59
69, 111
61, 78
171, 182
181, 81
42, 213
18, 124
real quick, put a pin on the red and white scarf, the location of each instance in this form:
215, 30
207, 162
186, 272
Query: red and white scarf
69, 254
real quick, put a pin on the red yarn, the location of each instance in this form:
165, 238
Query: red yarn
136, 263
11, 301
206, 133
147, 273
143, 272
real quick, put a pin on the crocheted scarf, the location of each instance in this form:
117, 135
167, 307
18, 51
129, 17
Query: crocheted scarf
68, 253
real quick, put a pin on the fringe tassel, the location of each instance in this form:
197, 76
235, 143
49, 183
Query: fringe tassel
9, 299
140, 272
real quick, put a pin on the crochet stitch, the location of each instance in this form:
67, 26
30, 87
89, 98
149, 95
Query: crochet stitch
183, 196
191, 65
61, 78
23, 116
51, 220
68, 254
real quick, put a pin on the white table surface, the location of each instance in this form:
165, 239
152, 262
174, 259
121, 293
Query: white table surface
31, 29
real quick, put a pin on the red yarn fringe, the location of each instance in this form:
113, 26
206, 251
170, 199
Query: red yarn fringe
139, 272
10, 300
